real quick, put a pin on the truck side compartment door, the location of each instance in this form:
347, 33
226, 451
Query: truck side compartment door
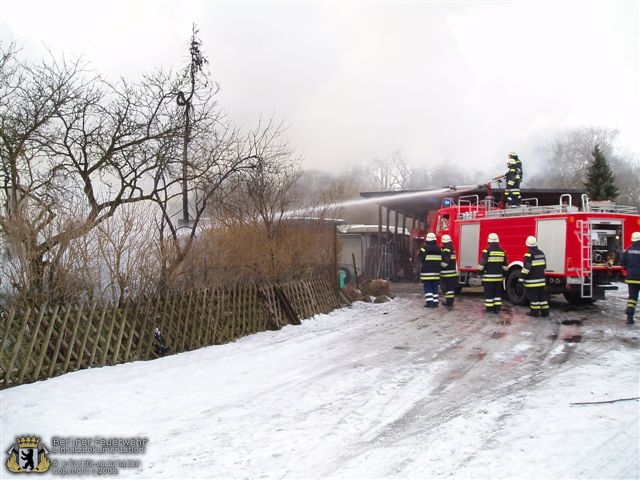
468, 255
552, 239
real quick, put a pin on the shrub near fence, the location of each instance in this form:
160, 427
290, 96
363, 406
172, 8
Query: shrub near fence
39, 343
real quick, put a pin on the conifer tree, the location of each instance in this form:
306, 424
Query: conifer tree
600, 184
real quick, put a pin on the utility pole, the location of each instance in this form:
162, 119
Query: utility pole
195, 66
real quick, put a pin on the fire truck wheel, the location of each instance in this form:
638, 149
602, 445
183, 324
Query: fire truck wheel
515, 291
574, 298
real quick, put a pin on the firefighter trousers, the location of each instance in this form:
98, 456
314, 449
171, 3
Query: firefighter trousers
449, 285
492, 295
430, 292
632, 301
538, 300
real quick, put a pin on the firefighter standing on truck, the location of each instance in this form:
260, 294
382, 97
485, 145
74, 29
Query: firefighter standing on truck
534, 265
449, 272
513, 177
430, 256
493, 265
630, 260
512, 190
518, 166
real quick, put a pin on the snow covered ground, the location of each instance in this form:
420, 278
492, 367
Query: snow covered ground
388, 390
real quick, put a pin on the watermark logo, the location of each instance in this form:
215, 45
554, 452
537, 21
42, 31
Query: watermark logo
28, 456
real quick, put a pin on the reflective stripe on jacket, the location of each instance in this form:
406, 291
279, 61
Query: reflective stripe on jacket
430, 256
448, 261
493, 263
630, 260
535, 263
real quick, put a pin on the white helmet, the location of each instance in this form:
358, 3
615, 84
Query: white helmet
513, 155
635, 237
431, 237
446, 239
531, 241
493, 238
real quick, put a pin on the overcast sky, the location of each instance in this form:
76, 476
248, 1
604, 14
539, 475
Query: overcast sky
457, 81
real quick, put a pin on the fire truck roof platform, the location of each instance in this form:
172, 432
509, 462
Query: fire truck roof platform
416, 204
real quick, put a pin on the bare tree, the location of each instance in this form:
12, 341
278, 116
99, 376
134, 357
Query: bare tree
212, 153
390, 173
264, 195
126, 255
568, 155
74, 149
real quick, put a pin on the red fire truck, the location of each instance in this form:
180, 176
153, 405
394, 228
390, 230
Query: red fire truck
582, 243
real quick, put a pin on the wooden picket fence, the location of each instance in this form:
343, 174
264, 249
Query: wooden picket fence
39, 343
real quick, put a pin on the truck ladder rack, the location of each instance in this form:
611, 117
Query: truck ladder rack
584, 231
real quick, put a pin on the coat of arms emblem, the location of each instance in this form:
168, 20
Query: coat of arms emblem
28, 456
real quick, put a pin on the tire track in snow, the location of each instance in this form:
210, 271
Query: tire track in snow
492, 357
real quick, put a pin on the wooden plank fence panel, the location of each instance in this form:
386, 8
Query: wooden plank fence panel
147, 340
61, 332
23, 325
145, 324
154, 321
131, 331
172, 323
26, 357
197, 337
5, 348
45, 344
47, 341
97, 335
112, 318
185, 313
74, 333
87, 323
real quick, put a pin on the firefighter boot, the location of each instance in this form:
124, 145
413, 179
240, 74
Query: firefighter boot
532, 313
630, 313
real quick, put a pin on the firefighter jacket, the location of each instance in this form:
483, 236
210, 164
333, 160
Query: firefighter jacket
430, 256
535, 263
512, 178
448, 261
493, 263
630, 260
519, 173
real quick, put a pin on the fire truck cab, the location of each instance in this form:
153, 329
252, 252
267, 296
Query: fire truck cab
582, 243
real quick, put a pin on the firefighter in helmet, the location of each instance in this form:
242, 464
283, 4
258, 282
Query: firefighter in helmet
430, 256
512, 190
449, 272
630, 260
513, 177
518, 165
534, 265
493, 265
